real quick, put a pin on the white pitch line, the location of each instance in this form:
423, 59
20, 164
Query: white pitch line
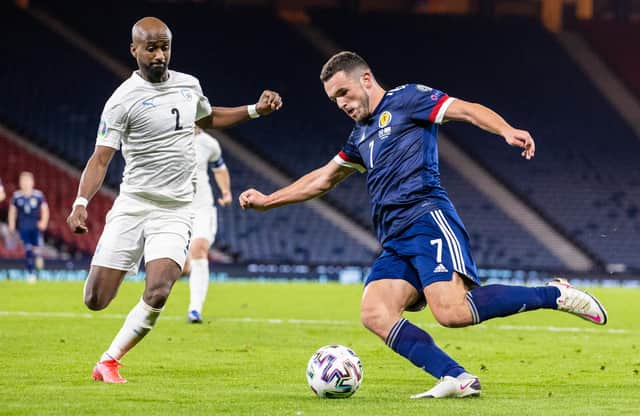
275, 321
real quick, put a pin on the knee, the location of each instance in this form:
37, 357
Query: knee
377, 320
156, 296
451, 316
199, 249
94, 301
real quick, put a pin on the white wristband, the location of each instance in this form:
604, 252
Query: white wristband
253, 113
83, 202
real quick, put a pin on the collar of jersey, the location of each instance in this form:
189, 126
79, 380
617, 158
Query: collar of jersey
141, 80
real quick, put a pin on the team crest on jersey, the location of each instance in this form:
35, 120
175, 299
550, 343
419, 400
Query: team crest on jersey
186, 94
102, 128
384, 120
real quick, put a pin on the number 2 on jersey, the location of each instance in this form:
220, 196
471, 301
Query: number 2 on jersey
177, 113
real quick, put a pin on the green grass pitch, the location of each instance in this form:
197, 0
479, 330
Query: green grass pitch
249, 357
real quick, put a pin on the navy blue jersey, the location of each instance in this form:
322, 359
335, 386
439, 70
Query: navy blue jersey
28, 208
397, 146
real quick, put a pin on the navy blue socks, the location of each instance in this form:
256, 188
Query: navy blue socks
417, 346
494, 301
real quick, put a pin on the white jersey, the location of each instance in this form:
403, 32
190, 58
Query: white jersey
208, 152
154, 125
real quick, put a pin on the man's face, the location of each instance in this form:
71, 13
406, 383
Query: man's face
349, 92
26, 183
153, 52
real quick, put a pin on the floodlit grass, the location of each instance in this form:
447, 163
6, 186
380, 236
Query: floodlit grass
249, 356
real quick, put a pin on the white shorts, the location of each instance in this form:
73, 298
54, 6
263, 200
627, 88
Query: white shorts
135, 227
205, 224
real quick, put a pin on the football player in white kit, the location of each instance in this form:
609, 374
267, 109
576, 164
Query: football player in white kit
205, 225
151, 117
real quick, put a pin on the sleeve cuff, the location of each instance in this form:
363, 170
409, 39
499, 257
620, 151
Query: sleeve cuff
437, 114
443, 110
342, 162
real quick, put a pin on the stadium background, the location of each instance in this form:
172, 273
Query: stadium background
564, 70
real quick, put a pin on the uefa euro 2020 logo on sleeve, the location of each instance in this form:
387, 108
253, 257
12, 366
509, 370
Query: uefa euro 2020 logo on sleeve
102, 129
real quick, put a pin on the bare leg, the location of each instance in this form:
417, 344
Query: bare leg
161, 275
383, 303
102, 286
448, 303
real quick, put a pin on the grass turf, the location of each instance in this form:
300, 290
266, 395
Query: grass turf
249, 356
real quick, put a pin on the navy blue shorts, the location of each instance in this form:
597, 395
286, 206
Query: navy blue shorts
427, 252
31, 237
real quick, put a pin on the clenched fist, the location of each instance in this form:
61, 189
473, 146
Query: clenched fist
254, 199
268, 102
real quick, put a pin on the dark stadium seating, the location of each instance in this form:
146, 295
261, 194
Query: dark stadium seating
52, 92
61, 114
309, 130
585, 177
605, 37
293, 234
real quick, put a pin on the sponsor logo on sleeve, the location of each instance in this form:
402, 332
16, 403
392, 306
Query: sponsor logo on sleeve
102, 129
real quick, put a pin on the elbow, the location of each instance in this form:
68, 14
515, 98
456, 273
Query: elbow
324, 185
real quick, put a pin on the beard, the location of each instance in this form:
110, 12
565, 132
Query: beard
364, 115
155, 73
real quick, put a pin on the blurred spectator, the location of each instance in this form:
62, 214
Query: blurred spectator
2, 194
29, 215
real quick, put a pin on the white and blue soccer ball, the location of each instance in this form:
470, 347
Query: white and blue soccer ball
334, 371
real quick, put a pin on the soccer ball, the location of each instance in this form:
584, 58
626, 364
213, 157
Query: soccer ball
334, 371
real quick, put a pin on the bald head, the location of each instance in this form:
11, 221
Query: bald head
149, 27
151, 46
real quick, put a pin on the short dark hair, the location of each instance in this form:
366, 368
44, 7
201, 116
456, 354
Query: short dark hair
345, 61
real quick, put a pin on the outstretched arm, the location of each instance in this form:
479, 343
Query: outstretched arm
223, 117
90, 181
311, 185
490, 121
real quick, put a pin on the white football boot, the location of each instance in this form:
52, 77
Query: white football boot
465, 385
579, 302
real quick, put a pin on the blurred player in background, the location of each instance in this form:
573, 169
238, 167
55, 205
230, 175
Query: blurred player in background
29, 214
3, 195
426, 255
152, 116
205, 225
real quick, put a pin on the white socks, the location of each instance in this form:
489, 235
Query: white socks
198, 283
138, 323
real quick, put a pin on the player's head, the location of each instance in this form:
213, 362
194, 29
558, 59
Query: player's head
26, 181
151, 46
348, 81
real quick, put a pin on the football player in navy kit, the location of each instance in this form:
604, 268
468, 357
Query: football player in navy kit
426, 255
